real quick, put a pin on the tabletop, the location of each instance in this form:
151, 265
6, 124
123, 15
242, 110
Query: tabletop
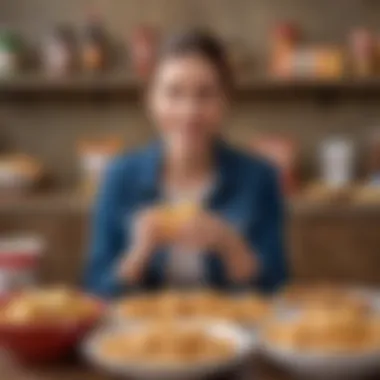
257, 370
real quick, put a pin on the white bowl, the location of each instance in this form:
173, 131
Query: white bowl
243, 342
317, 364
323, 365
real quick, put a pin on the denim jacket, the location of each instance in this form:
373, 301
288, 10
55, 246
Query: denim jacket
247, 194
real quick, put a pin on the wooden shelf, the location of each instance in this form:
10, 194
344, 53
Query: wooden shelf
304, 208
310, 84
74, 84
37, 86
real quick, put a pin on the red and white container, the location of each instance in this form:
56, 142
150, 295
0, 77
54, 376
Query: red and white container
19, 260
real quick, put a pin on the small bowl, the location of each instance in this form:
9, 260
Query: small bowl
43, 343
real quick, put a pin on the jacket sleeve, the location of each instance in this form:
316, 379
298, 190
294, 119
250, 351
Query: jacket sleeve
268, 239
107, 237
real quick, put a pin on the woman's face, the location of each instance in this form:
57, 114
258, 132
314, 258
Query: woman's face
187, 103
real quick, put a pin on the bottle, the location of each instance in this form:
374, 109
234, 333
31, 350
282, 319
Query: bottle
143, 50
337, 156
9, 53
94, 46
58, 52
362, 52
285, 38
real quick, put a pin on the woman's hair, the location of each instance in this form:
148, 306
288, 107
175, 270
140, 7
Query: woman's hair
203, 44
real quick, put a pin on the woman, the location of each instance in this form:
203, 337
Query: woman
236, 240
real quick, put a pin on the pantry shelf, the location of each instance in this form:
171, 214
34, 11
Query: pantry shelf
34, 86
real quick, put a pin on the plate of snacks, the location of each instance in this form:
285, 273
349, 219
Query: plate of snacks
338, 340
44, 324
243, 309
168, 350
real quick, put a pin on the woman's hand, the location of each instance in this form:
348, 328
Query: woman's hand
203, 231
146, 237
147, 229
207, 231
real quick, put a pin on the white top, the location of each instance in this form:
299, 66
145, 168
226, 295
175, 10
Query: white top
186, 265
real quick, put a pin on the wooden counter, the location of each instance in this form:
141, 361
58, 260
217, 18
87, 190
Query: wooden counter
259, 371
325, 242
71, 202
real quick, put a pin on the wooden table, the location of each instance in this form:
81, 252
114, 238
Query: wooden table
260, 370
72, 371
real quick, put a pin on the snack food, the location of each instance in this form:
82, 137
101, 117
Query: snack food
172, 217
51, 306
165, 343
323, 295
339, 329
206, 304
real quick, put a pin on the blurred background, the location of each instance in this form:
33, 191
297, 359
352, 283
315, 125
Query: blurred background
72, 75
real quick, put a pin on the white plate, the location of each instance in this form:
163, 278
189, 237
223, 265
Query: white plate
243, 342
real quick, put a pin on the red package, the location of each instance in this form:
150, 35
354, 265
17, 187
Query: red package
283, 153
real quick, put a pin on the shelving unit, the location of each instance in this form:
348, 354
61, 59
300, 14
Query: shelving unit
37, 85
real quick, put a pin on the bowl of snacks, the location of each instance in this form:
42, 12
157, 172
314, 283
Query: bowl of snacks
338, 340
44, 325
168, 350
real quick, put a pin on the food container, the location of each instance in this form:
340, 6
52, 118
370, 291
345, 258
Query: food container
12, 181
9, 53
320, 62
143, 47
243, 343
19, 259
57, 52
363, 52
45, 342
323, 366
18, 173
94, 54
285, 39
318, 362
329, 62
337, 162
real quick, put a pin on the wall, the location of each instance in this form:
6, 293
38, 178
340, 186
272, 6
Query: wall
50, 129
